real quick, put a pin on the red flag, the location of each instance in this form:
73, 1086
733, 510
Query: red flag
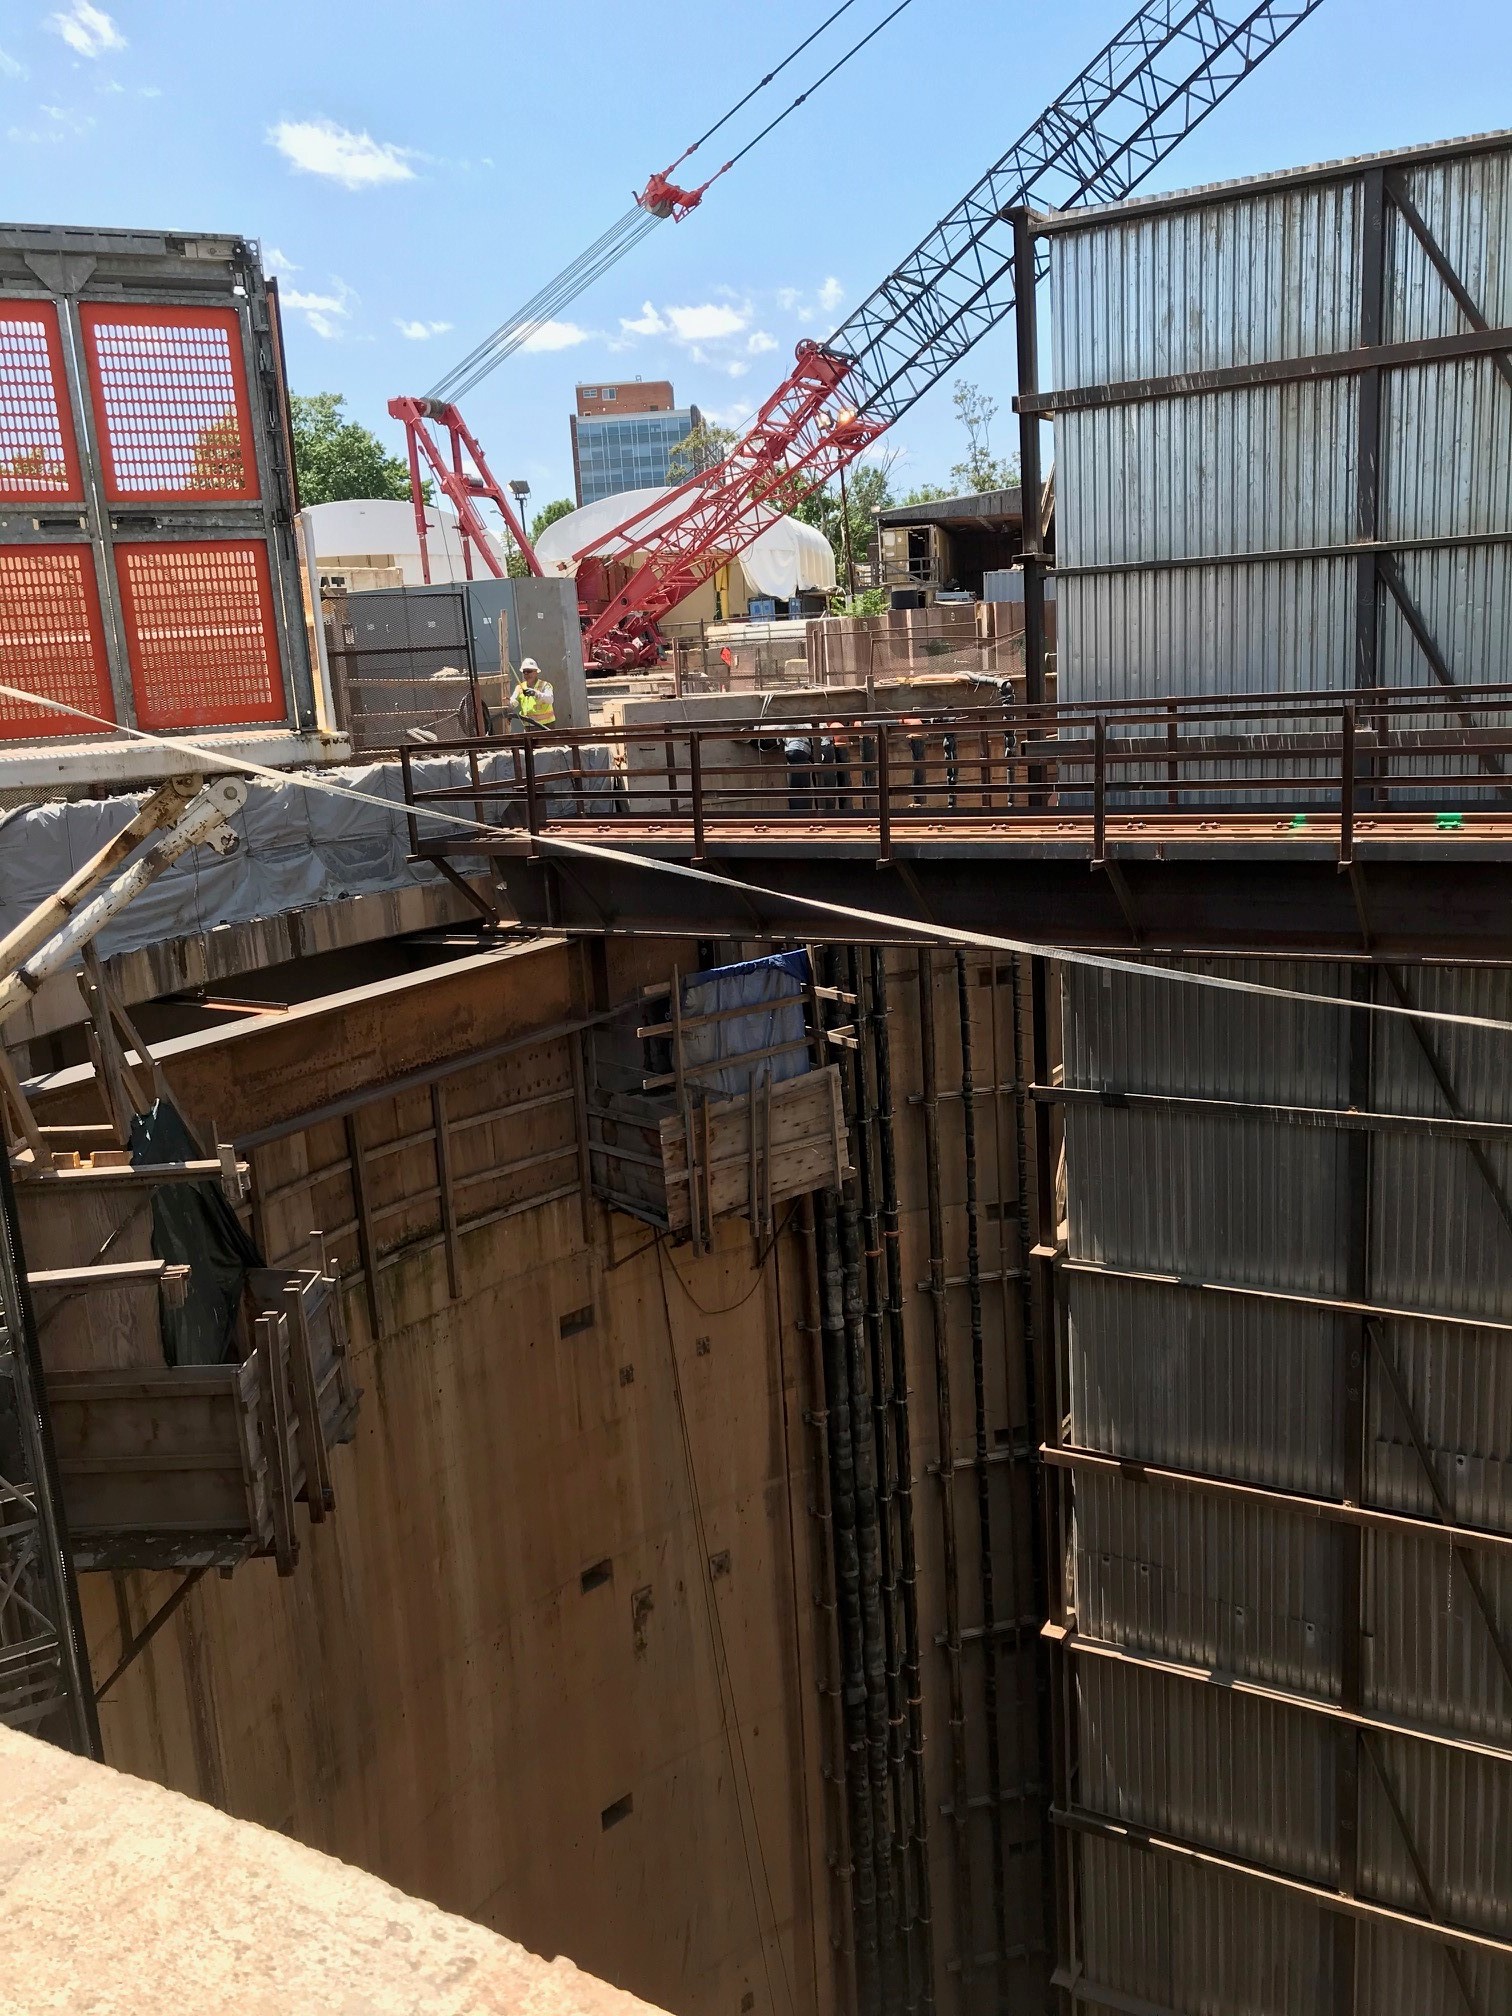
727, 654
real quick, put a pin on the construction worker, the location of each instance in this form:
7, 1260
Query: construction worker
533, 699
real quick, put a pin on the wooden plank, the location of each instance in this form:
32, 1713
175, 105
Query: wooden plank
273, 1367
15, 1099
257, 1498
312, 1450
151, 1453
444, 1184
364, 1228
803, 1139
580, 1127
109, 1274
121, 1176
117, 1323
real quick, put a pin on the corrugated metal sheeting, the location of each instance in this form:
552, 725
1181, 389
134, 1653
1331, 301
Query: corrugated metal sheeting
1273, 1766
1276, 271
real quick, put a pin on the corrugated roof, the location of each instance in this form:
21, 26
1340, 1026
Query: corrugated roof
976, 507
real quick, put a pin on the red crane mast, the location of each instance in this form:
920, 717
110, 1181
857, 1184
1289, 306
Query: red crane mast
1159, 77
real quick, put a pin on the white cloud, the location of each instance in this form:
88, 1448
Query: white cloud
59, 124
737, 368
555, 336
735, 415
325, 313
647, 323
809, 308
420, 332
707, 322
759, 342
88, 31
11, 66
275, 261
355, 160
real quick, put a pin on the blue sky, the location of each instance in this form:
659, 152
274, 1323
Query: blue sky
417, 170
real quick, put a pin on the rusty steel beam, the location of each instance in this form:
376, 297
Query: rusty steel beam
1078, 1645
1294, 1504
1082, 1820
1368, 358
1190, 897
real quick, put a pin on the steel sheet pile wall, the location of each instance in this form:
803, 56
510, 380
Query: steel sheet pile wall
1284, 1296
1296, 519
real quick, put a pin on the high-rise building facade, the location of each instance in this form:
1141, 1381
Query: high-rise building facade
622, 435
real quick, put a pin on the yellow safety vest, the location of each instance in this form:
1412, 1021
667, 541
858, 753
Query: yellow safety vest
536, 704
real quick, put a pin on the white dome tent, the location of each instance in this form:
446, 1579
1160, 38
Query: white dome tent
783, 560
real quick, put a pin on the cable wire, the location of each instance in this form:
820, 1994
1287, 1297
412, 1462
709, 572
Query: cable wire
772, 126
734, 1736
611, 246
741, 103
606, 251
910, 929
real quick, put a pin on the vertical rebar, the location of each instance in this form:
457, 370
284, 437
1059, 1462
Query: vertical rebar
983, 1491
881, 1399
869, 1559
903, 1484
827, 1633
848, 1599
959, 1802
1038, 1568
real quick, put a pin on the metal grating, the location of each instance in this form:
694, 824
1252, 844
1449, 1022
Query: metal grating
201, 634
51, 639
38, 461
170, 395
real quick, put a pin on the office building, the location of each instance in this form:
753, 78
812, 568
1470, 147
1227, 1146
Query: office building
623, 434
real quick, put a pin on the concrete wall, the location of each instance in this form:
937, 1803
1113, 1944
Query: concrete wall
451, 1690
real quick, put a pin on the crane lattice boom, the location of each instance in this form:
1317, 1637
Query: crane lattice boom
1134, 103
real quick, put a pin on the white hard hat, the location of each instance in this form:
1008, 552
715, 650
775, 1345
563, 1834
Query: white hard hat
528, 665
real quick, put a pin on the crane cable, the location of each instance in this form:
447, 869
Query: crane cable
638, 222
772, 126
741, 103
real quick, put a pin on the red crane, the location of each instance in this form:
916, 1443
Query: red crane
1164, 71
450, 455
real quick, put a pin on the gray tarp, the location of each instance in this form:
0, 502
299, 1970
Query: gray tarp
299, 847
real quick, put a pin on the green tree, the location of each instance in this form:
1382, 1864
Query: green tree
981, 470
548, 514
927, 493
217, 463
33, 466
335, 457
704, 449
867, 491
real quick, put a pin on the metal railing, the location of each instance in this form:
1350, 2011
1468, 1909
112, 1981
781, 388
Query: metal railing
1320, 764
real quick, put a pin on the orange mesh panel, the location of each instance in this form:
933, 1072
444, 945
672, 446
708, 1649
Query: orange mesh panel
38, 460
51, 640
200, 633
170, 398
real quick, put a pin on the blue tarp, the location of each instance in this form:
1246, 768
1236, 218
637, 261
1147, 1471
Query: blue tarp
774, 990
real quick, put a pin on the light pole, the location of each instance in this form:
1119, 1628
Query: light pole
845, 532
521, 491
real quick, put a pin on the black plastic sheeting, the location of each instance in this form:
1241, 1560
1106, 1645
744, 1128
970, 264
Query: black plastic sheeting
193, 1225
